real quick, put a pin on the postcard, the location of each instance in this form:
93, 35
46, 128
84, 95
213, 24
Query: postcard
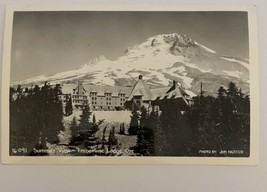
131, 85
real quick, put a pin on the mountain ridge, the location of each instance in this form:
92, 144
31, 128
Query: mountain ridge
160, 59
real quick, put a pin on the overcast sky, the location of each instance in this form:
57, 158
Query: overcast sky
50, 42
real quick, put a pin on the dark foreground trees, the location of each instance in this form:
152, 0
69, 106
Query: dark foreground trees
36, 116
219, 123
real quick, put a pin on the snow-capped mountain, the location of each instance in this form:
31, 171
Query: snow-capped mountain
160, 59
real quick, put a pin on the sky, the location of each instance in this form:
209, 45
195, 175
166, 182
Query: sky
45, 43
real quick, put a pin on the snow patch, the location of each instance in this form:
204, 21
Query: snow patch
206, 48
233, 73
236, 61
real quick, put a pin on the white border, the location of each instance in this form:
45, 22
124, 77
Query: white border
254, 91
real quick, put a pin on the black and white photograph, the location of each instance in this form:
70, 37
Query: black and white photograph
130, 84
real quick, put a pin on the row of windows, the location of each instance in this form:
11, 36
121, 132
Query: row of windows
95, 93
80, 101
109, 99
107, 103
106, 94
79, 96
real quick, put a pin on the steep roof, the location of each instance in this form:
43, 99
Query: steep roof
175, 91
156, 92
141, 89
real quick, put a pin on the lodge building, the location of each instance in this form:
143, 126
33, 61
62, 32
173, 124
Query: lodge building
121, 98
98, 97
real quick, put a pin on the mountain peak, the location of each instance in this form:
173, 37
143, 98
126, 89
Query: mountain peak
163, 42
172, 38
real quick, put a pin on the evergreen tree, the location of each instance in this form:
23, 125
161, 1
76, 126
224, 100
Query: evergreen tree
84, 124
112, 140
134, 123
158, 133
104, 137
68, 107
52, 112
74, 127
145, 140
122, 129
94, 119
87, 129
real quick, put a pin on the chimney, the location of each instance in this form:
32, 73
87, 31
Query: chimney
80, 87
174, 84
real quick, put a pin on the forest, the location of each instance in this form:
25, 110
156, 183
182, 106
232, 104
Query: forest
219, 124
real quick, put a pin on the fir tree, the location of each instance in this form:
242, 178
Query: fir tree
84, 124
68, 107
112, 140
122, 129
134, 123
104, 137
74, 127
158, 133
94, 119
145, 140
87, 129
